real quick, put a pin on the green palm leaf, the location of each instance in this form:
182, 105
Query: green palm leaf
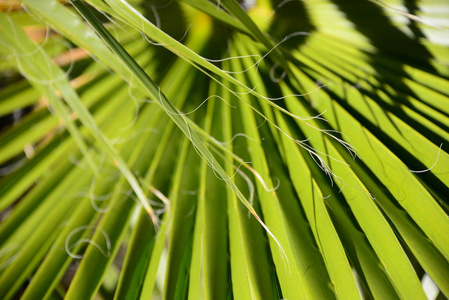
199, 149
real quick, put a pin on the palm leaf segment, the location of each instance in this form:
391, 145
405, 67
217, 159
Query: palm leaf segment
199, 149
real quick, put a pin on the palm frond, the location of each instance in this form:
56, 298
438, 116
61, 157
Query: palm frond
221, 149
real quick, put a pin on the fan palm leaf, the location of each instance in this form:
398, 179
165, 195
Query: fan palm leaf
213, 150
